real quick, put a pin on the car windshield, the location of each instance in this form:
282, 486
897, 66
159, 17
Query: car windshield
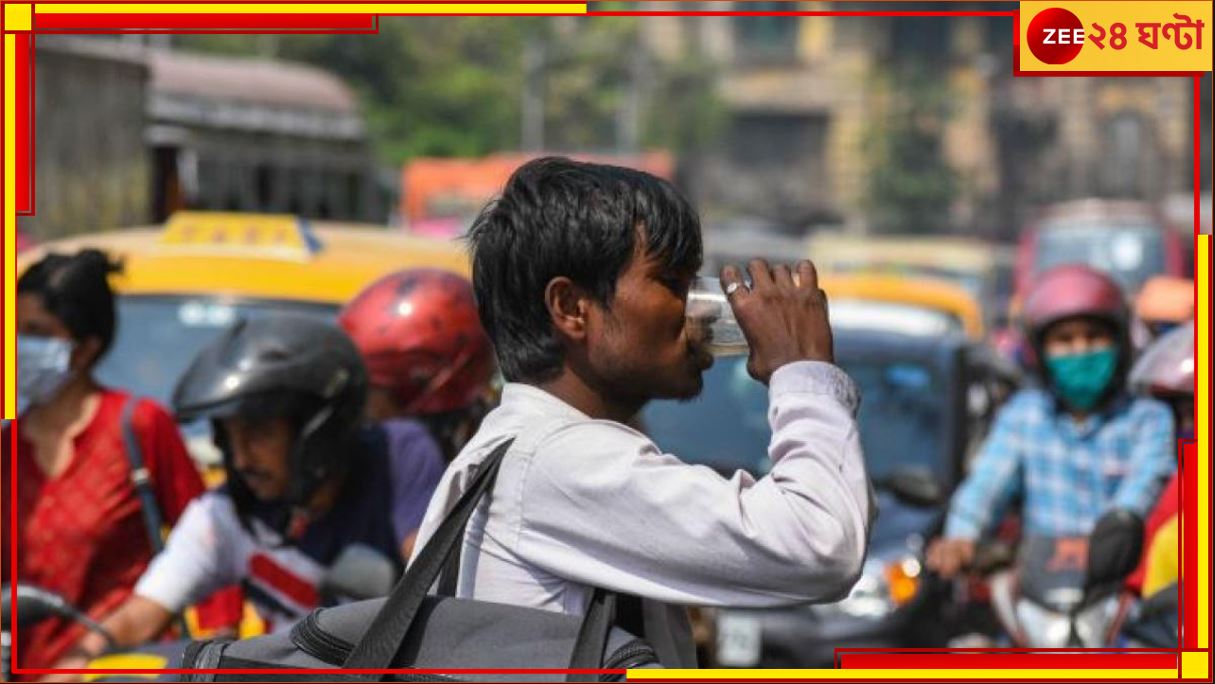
1130, 253
901, 418
867, 314
159, 336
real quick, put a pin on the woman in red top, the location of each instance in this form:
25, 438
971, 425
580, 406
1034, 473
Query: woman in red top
80, 528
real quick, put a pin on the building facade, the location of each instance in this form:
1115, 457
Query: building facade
816, 105
127, 134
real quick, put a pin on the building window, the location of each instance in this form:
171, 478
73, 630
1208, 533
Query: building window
924, 38
1125, 156
263, 180
779, 161
767, 39
763, 139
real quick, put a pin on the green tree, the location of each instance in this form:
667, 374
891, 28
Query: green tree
438, 86
911, 185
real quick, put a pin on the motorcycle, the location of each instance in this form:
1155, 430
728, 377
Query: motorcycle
1066, 592
359, 572
33, 605
1153, 623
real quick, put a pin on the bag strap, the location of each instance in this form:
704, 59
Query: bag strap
141, 480
593, 636
390, 629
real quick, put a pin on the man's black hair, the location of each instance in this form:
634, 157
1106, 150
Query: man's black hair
75, 290
558, 217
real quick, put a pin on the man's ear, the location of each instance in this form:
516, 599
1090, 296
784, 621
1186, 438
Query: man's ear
567, 305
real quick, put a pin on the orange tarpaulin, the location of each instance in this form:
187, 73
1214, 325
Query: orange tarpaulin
455, 189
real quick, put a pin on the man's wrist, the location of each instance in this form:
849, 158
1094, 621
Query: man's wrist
959, 528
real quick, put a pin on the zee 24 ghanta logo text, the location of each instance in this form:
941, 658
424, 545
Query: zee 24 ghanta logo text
1056, 35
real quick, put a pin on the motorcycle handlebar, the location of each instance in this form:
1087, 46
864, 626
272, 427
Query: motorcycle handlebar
992, 556
35, 604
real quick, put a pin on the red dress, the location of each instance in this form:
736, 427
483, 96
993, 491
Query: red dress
81, 534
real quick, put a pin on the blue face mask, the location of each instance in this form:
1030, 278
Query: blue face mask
43, 368
1081, 379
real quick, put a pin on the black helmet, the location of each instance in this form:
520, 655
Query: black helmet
282, 366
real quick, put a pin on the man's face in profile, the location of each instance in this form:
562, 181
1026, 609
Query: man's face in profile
639, 345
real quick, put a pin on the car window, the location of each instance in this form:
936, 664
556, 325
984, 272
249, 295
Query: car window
902, 418
1129, 253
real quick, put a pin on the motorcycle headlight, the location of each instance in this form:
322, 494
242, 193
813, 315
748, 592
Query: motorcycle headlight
1094, 622
883, 587
1043, 628
903, 580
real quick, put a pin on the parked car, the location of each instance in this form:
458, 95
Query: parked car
903, 298
980, 267
920, 411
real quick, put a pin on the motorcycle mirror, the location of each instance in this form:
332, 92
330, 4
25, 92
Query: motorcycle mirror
360, 572
914, 485
1114, 548
34, 605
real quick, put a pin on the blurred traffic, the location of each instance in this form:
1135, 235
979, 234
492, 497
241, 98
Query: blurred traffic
277, 305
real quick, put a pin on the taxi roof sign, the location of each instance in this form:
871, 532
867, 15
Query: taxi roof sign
280, 236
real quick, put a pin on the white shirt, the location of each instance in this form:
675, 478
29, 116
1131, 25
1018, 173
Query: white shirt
209, 549
580, 503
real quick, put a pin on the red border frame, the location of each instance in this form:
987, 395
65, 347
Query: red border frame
367, 23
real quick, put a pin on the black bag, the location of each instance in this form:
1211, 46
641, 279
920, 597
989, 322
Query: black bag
414, 629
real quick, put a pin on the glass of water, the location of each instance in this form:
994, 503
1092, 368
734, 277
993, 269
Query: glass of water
711, 321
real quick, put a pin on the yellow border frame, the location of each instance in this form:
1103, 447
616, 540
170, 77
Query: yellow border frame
18, 17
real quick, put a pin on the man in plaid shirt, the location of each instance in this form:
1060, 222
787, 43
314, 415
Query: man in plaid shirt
1076, 447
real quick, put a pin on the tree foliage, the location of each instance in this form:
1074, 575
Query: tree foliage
437, 86
911, 186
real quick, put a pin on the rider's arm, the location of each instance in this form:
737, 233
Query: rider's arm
197, 558
415, 467
137, 620
1153, 457
193, 564
994, 479
602, 505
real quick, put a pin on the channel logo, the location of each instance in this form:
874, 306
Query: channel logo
1055, 36
1125, 37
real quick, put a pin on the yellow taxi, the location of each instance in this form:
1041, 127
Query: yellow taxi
983, 269
900, 304
185, 281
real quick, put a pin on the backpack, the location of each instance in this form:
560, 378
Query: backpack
413, 629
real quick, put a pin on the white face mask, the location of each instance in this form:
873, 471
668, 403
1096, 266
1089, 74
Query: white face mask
43, 368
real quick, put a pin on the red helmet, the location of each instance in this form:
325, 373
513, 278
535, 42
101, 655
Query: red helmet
420, 336
1167, 366
1073, 290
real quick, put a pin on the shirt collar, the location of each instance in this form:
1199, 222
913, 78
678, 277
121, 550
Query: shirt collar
1109, 411
532, 399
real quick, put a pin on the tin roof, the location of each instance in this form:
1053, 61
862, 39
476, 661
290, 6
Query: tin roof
254, 81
